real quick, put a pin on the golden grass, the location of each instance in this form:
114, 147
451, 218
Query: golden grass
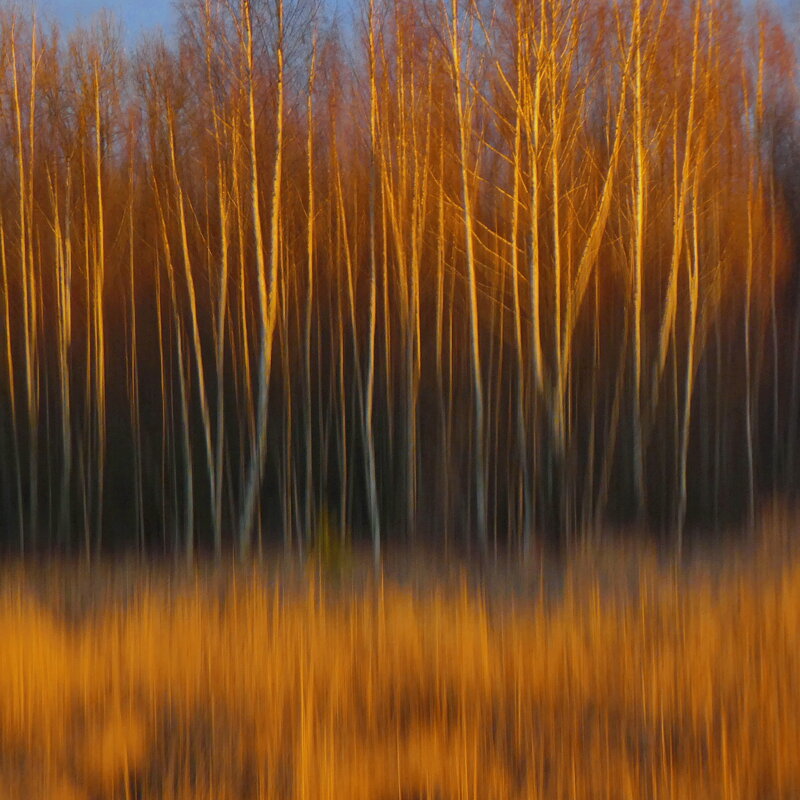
630, 680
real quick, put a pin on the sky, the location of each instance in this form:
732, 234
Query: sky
135, 15
140, 15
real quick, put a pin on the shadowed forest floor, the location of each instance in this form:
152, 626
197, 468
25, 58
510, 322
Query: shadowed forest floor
609, 674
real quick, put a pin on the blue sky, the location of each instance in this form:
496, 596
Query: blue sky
139, 15
136, 15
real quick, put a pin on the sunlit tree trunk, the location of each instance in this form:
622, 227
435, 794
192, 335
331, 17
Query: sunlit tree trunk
459, 62
267, 281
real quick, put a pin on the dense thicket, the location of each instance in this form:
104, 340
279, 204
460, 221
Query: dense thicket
459, 271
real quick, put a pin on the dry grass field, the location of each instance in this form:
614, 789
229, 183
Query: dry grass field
624, 678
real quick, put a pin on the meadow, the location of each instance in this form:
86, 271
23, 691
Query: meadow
614, 673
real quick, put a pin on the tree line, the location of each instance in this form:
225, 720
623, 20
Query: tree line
450, 271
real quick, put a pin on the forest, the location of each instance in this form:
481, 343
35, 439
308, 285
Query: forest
451, 272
